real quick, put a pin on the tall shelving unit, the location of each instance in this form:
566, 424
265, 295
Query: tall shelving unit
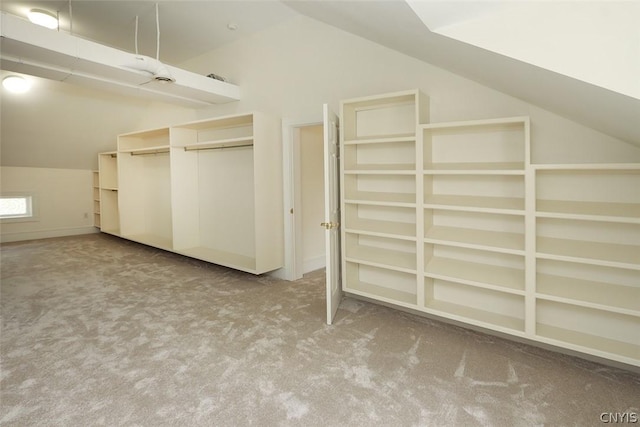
474, 221
108, 193
454, 220
380, 202
588, 258
96, 198
209, 189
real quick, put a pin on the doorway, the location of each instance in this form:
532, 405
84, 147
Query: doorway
305, 238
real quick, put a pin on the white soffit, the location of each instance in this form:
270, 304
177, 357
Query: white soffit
597, 42
30, 49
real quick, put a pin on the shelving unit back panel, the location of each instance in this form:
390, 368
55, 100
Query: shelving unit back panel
108, 177
394, 188
608, 186
145, 195
595, 323
390, 285
590, 231
507, 186
145, 139
474, 144
478, 221
227, 200
109, 213
358, 156
477, 256
379, 116
472, 298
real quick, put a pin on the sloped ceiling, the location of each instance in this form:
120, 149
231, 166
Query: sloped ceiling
190, 28
394, 24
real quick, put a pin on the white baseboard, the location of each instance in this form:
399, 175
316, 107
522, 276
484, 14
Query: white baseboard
46, 234
315, 263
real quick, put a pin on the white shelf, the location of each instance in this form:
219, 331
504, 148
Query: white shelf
488, 276
597, 253
503, 205
591, 344
381, 228
595, 211
605, 167
488, 168
481, 318
382, 168
384, 258
385, 139
383, 293
510, 243
598, 295
378, 198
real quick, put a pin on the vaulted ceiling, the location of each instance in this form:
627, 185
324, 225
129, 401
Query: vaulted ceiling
191, 28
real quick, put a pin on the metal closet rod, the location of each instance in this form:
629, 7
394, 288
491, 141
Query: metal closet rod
216, 148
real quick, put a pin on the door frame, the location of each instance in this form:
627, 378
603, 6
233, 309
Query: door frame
293, 262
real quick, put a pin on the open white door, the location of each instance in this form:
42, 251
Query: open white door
332, 211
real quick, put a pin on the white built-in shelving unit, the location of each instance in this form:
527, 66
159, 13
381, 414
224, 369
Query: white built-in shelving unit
454, 220
210, 189
108, 193
588, 258
96, 198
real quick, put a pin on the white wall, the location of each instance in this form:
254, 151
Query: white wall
312, 183
293, 68
63, 197
60, 125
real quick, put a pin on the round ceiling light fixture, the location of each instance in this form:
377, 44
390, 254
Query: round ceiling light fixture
16, 84
43, 18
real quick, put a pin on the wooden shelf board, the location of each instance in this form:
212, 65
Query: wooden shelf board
379, 257
478, 239
477, 317
382, 168
382, 139
508, 123
508, 205
502, 168
586, 342
370, 197
380, 292
588, 166
406, 235
599, 211
494, 277
602, 296
381, 228
607, 254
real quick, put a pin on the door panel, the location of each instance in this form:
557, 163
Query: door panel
332, 212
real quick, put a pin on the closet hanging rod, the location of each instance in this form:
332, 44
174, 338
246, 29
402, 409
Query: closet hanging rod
150, 152
216, 148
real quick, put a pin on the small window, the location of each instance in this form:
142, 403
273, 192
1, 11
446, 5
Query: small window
16, 207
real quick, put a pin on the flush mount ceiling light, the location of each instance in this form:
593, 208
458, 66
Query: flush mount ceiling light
16, 84
43, 18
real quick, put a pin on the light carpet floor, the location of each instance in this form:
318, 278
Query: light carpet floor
101, 331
